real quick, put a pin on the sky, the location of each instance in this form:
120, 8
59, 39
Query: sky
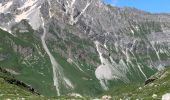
153, 6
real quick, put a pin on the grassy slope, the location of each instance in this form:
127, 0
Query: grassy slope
10, 91
16, 91
36, 70
13, 91
141, 91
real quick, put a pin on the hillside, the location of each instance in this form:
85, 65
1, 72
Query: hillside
82, 47
11, 89
154, 90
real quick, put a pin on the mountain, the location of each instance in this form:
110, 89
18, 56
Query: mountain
63, 47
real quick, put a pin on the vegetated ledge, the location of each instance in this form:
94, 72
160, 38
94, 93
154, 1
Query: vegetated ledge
156, 76
9, 78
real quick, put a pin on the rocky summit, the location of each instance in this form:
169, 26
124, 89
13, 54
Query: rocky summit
81, 47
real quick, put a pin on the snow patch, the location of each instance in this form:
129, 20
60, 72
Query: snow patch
154, 96
141, 71
81, 13
166, 96
160, 67
106, 97
107, 71
75, 95
132, 31
157, 52
53, 62
68, 82
49, 3
70, 7
58, 75
12, 71
7, 30
27, 4
4, 8
32, 15
30, 11
138, 65
104, 72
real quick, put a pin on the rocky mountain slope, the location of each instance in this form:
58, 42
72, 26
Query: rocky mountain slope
61, 47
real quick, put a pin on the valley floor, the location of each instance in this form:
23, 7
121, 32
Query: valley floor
154, 90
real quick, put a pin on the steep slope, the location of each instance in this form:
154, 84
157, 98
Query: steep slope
25, 57
14, 89
9, 91
81, 46
152, 91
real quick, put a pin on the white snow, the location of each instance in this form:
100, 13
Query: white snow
140, 88
5, 29
4, 8
107, 71
116, 46
82, 12
32, 14
139, 67
103, 84
78, 66
166, 96
68, 82
142, 71
50, 13
160, 67
106, 97
132, 31
70, 7
58, 75
154, 96
12, 71
53, 62
137, 28
164, 51
28, 3
96, 99
103, 71
127, 55
157, 53
75, 95
29, 11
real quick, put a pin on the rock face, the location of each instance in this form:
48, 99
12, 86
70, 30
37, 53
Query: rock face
104, 42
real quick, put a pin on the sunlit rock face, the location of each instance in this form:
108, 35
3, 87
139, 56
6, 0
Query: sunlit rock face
104, 44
